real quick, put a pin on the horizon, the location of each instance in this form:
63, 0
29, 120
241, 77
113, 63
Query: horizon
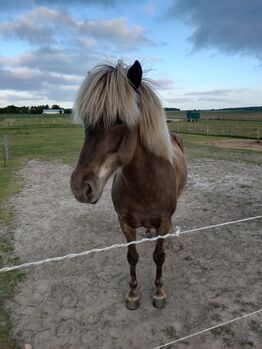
172, 107
196, 63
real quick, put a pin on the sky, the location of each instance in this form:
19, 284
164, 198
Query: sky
200, 54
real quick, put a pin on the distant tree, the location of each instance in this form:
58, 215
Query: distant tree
12, 109
23, 110
171, 109
33, 110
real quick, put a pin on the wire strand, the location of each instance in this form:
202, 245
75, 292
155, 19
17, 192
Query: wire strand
177, 233
209, 329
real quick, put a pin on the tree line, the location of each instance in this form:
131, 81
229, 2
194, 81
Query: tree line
34, 109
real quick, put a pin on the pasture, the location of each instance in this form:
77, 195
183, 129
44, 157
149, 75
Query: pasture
233, 115
210, 277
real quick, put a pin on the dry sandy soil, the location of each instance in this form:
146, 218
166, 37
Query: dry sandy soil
209, 277
234, 143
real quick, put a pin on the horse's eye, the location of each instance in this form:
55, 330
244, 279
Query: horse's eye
118, 122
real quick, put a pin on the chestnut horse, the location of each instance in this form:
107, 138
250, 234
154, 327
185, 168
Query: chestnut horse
126, 134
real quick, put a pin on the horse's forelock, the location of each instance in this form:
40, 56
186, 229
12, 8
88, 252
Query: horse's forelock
106, 95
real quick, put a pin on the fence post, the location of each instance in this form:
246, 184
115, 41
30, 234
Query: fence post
5, 149
258, 134
207, 130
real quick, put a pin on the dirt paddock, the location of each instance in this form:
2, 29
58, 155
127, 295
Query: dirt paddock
209, 277
235, 143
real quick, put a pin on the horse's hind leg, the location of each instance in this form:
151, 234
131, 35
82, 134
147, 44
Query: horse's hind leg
159, 296
133, 297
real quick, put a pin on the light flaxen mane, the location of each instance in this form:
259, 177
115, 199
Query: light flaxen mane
106, 95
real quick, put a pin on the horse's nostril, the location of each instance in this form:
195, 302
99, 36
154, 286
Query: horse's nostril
88, 190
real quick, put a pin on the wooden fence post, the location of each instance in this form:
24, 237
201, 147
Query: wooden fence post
5, 149
258, 134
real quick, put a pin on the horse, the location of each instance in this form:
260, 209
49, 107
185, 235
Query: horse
126, 134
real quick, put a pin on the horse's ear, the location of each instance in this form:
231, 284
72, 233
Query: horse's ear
134, 74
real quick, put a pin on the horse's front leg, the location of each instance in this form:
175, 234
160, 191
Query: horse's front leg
133, 297
159, 296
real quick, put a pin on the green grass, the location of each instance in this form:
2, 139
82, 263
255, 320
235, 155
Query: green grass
237, 115
8, 282
33, 116
45, 143
9, 185
194, 150
240, 129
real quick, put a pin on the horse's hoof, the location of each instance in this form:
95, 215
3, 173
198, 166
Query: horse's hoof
159, 302
132, 303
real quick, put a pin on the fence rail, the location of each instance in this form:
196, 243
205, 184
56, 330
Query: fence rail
177, 233
217, 130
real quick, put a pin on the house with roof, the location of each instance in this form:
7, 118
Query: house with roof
53, 111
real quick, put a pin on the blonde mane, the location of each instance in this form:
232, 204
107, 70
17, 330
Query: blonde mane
107, 95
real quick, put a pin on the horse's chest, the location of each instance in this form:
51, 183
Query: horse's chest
143, 205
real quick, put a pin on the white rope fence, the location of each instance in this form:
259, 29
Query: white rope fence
177, 233
209, 329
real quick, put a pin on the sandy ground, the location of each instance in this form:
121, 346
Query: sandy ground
235, 143
210, 276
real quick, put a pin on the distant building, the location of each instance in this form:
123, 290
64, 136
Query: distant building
53, 111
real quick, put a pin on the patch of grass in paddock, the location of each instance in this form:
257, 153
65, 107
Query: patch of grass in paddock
217, 153
9, 185
194, 150
250, 129
222, 115
219, 123
45, 143
8, 282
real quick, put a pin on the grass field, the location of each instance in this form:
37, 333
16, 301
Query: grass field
55, 138
235, 115
251, 129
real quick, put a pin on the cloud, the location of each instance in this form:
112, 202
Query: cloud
115, 31
149, 8
43, 26
164, 84
58, 60
230, 26
217, 92
38, 26
61, 50
36, 86
178, 99
14, 4
217, 99
24, 79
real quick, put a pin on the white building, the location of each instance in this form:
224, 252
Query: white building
53, 111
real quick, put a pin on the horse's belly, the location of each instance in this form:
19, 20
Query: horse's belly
143, 212
137, 220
